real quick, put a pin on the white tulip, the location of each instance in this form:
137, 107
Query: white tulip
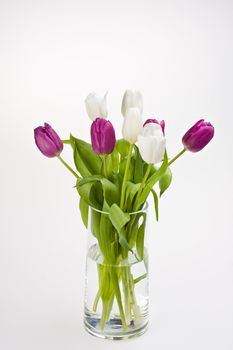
96, 106
131, 99
132, 125
152, 143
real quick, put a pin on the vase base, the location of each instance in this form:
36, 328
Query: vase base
113, 329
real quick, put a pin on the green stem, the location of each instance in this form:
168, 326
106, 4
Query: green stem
68, 167
96, 301
104, 315
125, 176
138, 279
110, 303
66, 142
131, 307
118, 296
105, 165
134, 305
145, 177
107, 308
176, 157
125, 284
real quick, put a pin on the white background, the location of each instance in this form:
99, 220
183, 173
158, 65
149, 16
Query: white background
52, 54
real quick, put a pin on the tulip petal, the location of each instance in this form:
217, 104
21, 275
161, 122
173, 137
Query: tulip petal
150, 129
145, 148
152, 143
108, 138
132, 125
198, 136
96, 106
103, 106
162, 123
47, 140
103, 137
131, 99
53, 136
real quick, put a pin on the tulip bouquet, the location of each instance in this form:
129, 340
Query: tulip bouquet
115, 177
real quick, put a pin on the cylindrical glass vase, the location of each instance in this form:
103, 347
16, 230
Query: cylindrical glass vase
116, 290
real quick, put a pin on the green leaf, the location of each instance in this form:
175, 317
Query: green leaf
95, 225
159, 173
119, 219
140, 239
117, 179
86, 180
105, 232
108, 236
86, 161
115, 160
131, 168
91, 193
139, 166
165, 181
111, 191
122, 166
152, 180
156, 204
132, 229
122, 147
131, 190
152, 170
84, 207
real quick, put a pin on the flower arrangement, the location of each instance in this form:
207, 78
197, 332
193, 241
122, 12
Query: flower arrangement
115, 178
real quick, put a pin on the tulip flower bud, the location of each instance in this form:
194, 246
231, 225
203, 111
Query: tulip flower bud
47, 140
131, 99
198, 136
96, 106
152, 143
103, 137
162, 123
132, 125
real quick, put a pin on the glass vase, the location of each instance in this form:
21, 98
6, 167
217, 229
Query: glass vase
116, 288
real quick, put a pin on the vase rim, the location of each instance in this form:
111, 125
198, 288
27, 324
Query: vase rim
143, 210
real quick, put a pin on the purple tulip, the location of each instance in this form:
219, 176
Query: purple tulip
47, 140
162, 123
198, 136
103, 137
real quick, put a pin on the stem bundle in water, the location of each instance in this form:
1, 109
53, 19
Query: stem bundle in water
116, 283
